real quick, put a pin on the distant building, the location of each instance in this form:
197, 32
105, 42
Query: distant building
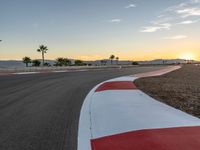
107, 62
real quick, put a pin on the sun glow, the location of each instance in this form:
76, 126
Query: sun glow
188, 56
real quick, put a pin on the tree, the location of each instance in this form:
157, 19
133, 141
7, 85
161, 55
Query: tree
63, 61
43, 49
79, 63
111, 58
117, 59
36, 63
47, 64
59, 61
26, 60
135, 63
66, 62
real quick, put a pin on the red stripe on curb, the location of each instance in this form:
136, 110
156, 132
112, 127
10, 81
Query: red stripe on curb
6, 74
183, 138
116, 85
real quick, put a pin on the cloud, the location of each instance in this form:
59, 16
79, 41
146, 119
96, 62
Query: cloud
176, 37
187, 9
130, 6
188, 22
115, 21
195, 1
186, 12
157, 27
175, 15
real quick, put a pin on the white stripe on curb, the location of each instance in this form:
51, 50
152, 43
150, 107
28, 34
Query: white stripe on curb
85, 122
84, 131
115, 112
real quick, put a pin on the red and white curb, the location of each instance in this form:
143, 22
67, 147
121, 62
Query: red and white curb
117, 116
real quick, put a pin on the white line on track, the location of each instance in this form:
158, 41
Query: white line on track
22, 73
60, 71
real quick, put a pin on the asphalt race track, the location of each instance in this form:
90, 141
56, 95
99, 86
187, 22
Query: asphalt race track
41, 111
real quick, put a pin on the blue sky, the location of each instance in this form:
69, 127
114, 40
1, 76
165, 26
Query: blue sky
94, 29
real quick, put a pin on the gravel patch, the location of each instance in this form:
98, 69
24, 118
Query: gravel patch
180, 88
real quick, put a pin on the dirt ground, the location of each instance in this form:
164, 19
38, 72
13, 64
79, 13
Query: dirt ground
180, 88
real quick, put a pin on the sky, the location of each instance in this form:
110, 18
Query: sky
95, 29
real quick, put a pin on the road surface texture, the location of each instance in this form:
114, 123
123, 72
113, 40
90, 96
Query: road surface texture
41, 111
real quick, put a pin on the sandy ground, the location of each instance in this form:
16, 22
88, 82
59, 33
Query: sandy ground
180, 88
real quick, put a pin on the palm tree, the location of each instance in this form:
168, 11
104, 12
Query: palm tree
111, 58
43, 49
26, 60
117, 60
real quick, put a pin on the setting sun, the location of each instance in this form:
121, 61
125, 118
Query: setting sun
188, 56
